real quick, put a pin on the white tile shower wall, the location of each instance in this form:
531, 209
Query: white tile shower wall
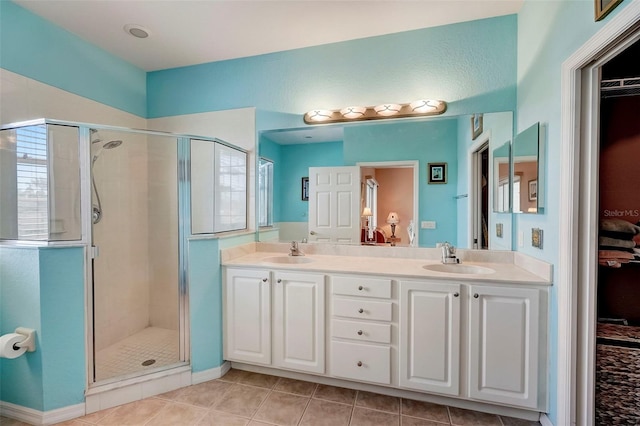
121, 271
163, 234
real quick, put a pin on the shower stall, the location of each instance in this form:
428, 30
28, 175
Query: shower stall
124, 195
135, 234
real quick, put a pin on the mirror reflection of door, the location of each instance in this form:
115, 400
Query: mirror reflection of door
334, 201
480, 186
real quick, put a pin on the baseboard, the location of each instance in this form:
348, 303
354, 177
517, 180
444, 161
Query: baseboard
36, 417
545, 420
210, 374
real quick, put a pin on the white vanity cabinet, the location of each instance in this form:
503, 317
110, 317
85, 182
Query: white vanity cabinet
505, 346
275, 318
361, 328
430, 336
298, 321
247, 315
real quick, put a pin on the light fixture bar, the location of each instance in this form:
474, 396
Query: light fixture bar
419, 108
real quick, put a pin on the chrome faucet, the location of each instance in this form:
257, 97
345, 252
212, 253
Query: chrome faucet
449, 253
294, 250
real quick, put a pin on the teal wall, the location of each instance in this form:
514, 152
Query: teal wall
471, 65
295, 161
36, 48
426, 141
43, 289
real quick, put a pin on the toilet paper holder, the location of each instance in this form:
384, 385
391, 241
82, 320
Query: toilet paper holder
29, 342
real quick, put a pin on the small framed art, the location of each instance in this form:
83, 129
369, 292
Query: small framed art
533, 190
603, 7
476, 126
437, 172
305, 189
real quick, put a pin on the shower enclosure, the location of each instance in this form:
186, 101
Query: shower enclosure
125, 195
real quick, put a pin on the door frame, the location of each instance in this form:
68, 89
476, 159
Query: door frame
475, 188
577, 248
414, 165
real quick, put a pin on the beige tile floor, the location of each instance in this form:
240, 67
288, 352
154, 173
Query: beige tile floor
250, 399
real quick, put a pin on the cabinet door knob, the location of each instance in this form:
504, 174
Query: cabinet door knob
359, 363
359, 332
360, 310
279, 280
312, 232
456, 294
476, 295
264, 280
360, 288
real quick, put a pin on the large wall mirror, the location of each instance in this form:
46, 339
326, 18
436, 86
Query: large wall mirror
527, 164
398, 156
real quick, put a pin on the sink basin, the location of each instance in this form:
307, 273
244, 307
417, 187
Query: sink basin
456, 268
290, 260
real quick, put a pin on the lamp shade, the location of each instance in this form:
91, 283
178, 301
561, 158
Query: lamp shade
367, 212
393, 218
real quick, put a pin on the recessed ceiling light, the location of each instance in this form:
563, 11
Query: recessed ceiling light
137, 31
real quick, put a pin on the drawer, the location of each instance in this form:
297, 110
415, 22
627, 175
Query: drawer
362, 309
369, 363
365, 331
361, 286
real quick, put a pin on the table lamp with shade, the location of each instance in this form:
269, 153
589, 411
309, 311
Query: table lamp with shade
367, 213
392, 220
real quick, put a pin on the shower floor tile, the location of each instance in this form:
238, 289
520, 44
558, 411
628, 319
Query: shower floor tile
126, 356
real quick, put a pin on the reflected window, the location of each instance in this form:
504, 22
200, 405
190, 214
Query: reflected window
32, 183
502, 196
265, 192
371, 201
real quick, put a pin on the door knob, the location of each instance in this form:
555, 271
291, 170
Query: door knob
279, 280
359, 363
264, 280
360, 288
456, 294
313, 232
359, 332
476, 295
360, 310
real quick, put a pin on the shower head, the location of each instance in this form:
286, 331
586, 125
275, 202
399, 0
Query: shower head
112, 144
108, 145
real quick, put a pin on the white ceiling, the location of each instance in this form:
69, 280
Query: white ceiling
185, 32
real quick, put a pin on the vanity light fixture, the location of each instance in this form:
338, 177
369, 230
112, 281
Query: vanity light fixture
387, 110
353, 112
419, 108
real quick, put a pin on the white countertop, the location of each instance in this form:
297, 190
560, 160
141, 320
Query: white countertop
507, 266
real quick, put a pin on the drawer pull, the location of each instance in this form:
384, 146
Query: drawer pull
476, 295
456, 294
359, 363
360, 288
264, 280
359, 332
360, 310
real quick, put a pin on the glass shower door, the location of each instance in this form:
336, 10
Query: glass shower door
135, 232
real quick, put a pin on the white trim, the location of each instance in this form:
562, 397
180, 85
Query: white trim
37, 417
545, 420
472, 166
570, 407
210, 374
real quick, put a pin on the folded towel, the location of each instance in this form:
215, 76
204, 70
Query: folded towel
614, 254
618, 235
614, 242
619, 225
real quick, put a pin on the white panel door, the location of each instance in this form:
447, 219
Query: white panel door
298, 322
334, 204
247, 316
430, 336
504, 331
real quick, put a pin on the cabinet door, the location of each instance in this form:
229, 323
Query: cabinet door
247, 316
430, 336
298, 326
504, 331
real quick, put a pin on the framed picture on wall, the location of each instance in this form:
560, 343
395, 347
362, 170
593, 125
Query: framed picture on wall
305, 189
476, 125
533, 190
437, 172
603, 7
